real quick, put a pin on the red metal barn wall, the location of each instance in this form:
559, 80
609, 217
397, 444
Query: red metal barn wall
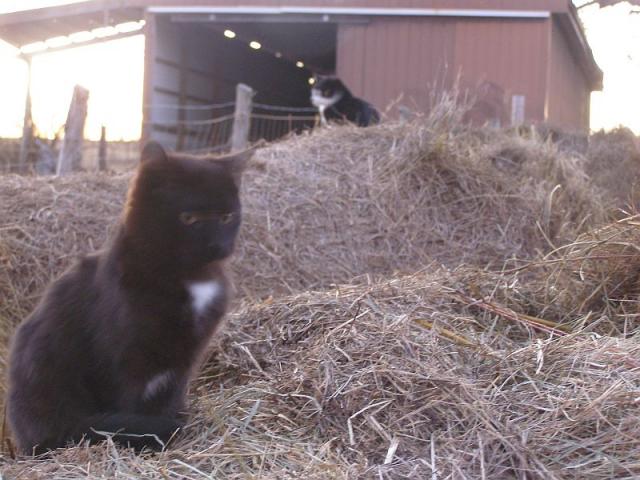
568, 91
389, 57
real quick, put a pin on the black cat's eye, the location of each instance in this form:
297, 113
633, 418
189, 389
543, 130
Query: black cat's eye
188, 218
226, 218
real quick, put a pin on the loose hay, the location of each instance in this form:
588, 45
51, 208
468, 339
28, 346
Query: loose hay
613, 161
596, 277
46, 224
446, 373
331, 206
349, 201
346, 384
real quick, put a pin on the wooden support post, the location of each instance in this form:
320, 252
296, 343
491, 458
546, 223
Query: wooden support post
27, 127
182, 100
150, 68
71, 152
102, 150
242, 117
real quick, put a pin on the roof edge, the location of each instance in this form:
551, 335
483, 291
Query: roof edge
352, 11
572, 26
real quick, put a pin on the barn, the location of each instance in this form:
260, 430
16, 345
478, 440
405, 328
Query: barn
524, 61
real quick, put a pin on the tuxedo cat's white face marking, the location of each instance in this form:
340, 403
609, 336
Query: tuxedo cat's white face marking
202, 294
320, 101
157, 384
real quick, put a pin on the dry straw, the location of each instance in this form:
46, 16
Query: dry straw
347, 383
509, 354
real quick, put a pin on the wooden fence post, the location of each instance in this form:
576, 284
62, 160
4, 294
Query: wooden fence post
71, 152
102, 150
27, 128
242, 117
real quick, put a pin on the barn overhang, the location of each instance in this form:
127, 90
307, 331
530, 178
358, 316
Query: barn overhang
57, 25
574, 32
64, 26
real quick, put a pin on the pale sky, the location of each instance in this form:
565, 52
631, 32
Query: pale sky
113, 72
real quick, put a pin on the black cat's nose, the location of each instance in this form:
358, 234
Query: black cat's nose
219, 250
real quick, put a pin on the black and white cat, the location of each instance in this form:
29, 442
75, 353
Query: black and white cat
335, 102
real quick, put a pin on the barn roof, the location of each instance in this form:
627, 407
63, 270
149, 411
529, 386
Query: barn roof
36, 25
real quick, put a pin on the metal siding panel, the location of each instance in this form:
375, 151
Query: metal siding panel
397, 56
166, 46
569, 94
506, 53
370, 70
350, 56
391, 51
150, 46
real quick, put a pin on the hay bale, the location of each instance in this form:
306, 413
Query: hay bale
455, 372
331, 206
593, 282
347, 201
613, 161
46, 224
349, 383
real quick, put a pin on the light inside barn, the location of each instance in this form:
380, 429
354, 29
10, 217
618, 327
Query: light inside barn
311, 80
278, 55
299, 64
255, 45
230, 34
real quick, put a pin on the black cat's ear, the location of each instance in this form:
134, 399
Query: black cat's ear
153, 152
237, 162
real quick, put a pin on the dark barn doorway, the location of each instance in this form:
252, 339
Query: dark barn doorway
198, 64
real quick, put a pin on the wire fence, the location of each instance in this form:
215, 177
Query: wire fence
42, 156
206, 128
213, 133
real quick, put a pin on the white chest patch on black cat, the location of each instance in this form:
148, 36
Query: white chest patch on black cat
202, 294
157, 383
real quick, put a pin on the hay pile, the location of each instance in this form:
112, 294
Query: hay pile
46, 224
331, 206
398, 379
613, 162
509, 354
348, 201
592, 283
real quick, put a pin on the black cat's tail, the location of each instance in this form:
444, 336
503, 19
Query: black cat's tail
129, 430
368, 115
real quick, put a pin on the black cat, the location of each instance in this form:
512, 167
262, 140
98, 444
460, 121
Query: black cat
335, 102
112, 345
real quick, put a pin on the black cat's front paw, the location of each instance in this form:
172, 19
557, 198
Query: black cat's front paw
136, 431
